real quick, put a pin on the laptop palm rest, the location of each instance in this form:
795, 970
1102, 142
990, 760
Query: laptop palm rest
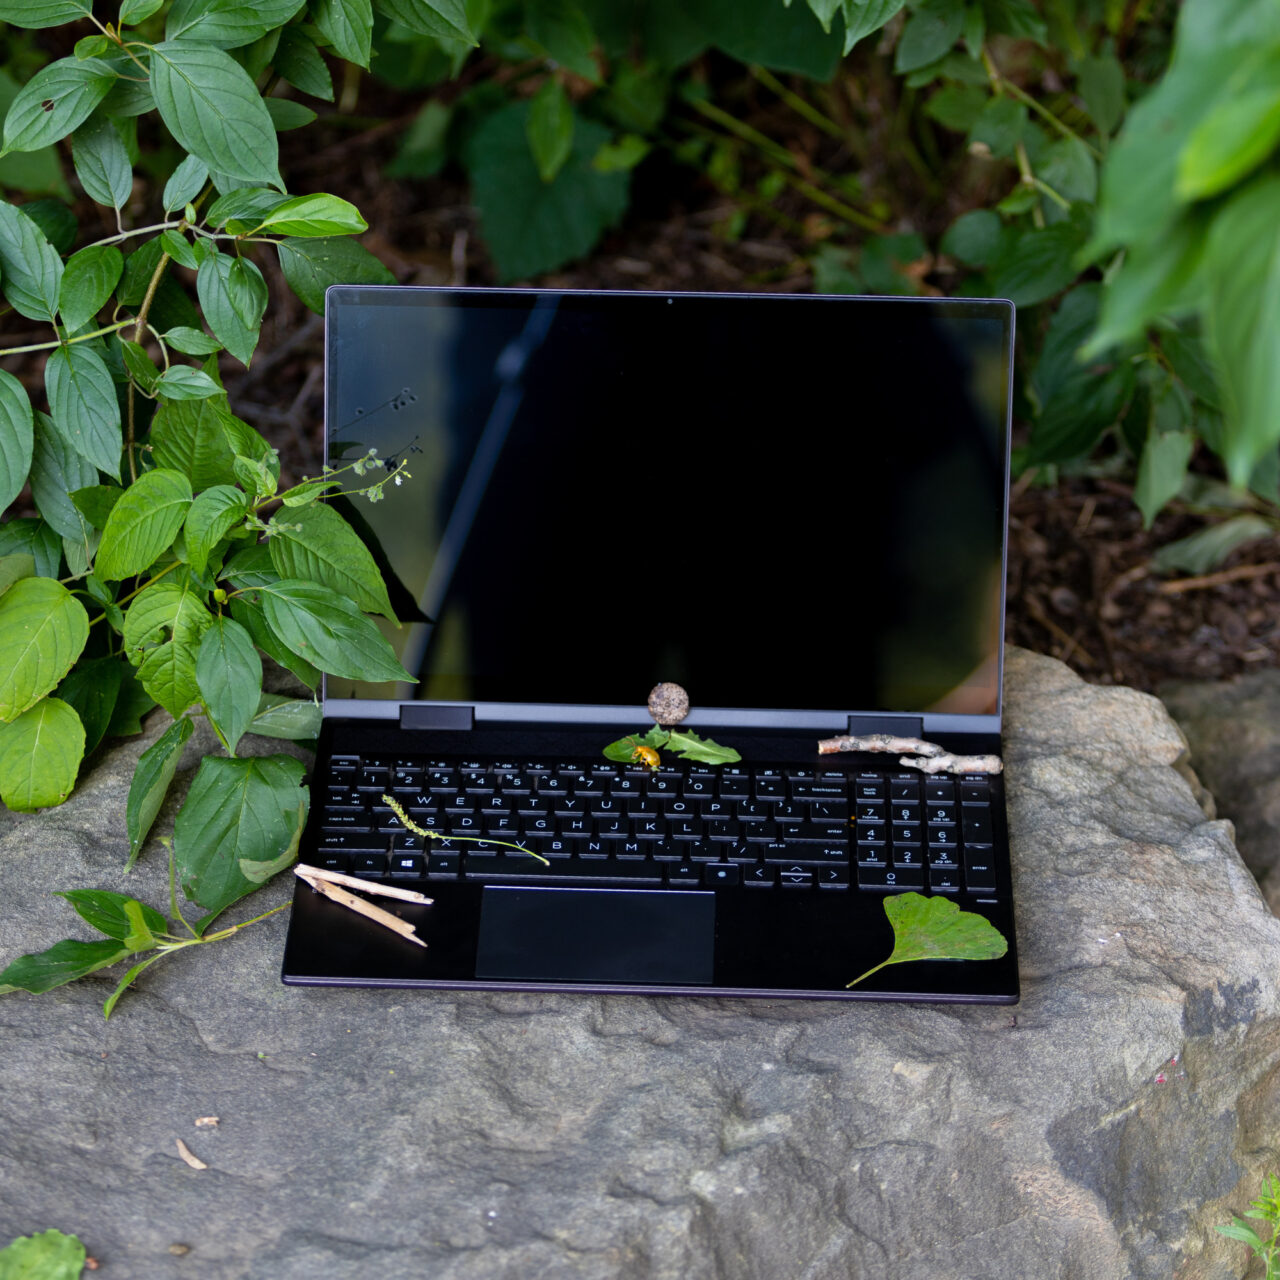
597, 935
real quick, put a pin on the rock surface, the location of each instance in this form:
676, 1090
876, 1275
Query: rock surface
1097, 1131
1233, 727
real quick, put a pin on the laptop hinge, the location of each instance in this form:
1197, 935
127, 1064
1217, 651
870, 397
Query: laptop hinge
424, 715
902, 726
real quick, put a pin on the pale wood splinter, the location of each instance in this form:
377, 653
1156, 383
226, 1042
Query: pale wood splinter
365, 886
359, 905
878, 742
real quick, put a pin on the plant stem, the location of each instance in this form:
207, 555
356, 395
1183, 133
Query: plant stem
797, 104
137, 337
64, 342
869, 972
135, 231
1041, 110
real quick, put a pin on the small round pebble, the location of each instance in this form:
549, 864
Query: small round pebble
668, 703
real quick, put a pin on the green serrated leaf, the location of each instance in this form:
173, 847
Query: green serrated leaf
165, 608
250, 615
191, 342
238, 810
1209, 547
212, 515
63, 962
95, 502
91, 689
143, 523
107, 913
315, 542
15, 567
56, 100
186, 182
691, 747
295, 719
311, 266
316, 215
47, 1256
931, 31
43, 629
229, 675
228, 24
201, 438
44, 13
233, 296
550, 128
89, 279
348, 27
40, 751
102, 163
17, 437
28, 536
83, 404
182, 382
214, 110
30, 267
443, 19
329, 631
151, 778
937, 929
299, 62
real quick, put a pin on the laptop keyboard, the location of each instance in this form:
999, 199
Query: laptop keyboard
747, 828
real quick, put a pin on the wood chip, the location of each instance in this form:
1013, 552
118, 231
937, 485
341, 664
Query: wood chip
185, 1152
206, 1122
878, 742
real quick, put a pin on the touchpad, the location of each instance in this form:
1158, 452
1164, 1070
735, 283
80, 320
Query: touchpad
597, 935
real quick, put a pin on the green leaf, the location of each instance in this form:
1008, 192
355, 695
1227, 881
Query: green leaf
56, 220
1001, 126
151, 778
94, 502
48, 1256
691, 747
44, 13
238, 810
299, 62
30, 266
623, 750
443, 19
1015, 18
201, 438
168, 674
1238, 1229
233, 296
182, 382
43, 629
329, 631
864, 19
134, 11
166, 608
57, 471
974, 237
930, 32
348, 27
533, 226
286, 114
89, 279
91, 690
82, 400
250, 615
213, 109
297, 719
936, 929
143, 523
15, 567
227, 23
247, 205
56, 100
315, 542
1242, 320
1161, 471
229, 674
102, 163
1237, 133
621, 156
40, 752
28, 536
1037, 264
1100, 81
562, 29
212, 515
550, 128
1209, 547
318, 215
109, 914
133, 703
185, 183
311, 266
17, 438
191, 342
179, 248
64, 962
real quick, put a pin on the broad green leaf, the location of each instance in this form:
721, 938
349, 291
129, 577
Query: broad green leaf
623, 750
64, 962
1161, 471
825, 11
102, 163
17, 438
250, 615
179, 248
91, 689
975, 237
56, 100
40, 754
117, 916
1242, 320
47, 1256
251, 567
311, 266
229, 675
28, 536
937, 929
14, 567
930, 32
1237, 133
57, 471
164, 608
318, 215
212, 515
88, 280
226, 23
143, 523
329, 631
297, 719
348, 27
141, 368
550, 128
191, 342
134, 11
238, 810
44, 13
562, 29
863, 19
1238, 1229
95, 501
213, 109
299, 62
691, 747
286, 114
43, 629
1037, 264
315, 542
133, 703
1209, 547
1001, 126
168, 674
83, 404
185, 183
182, 382
30, 267
444, 19
247, 205
1015, 18
303, 495
201, 438
233, 296
56, 220
151, 778
532, 226
1100, 81
256, 476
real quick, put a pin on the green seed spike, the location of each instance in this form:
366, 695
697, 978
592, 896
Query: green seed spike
409, 823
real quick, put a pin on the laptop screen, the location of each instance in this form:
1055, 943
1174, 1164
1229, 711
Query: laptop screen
777, 501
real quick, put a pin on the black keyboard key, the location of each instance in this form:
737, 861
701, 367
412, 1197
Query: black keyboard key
684, 875
904, 789
409, 866
833, 877
443, 866
795, 877
760, 876
939, 789
868, 787
976, 824
331, 861
373, 865
975, 792
944, 879
353, 842
720, 875
346, 818
890, 879
979, 869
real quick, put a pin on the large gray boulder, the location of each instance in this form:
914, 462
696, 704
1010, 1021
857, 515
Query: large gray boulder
1099, 1130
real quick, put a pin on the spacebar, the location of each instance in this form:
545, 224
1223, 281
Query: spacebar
563, 871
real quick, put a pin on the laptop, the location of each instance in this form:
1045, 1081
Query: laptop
795, 508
